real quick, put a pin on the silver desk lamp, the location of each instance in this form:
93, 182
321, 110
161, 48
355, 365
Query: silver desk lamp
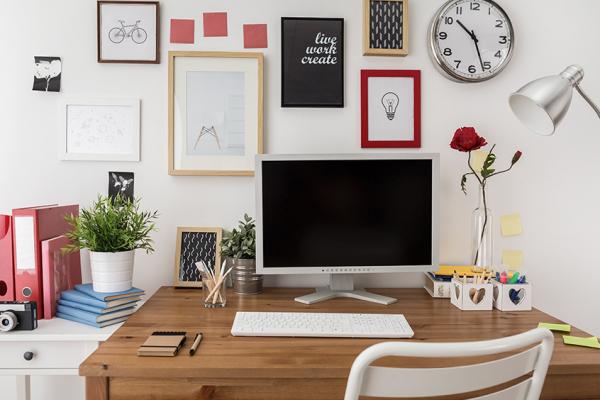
541, 105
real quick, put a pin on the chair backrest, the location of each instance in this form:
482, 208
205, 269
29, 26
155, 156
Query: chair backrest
366, 380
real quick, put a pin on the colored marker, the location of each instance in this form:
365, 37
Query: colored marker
503, 277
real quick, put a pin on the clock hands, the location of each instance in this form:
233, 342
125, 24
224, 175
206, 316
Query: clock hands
472, 35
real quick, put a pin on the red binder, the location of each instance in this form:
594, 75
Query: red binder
30, 227
61, 272
7, 274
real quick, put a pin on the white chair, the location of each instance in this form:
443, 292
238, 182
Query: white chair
365, 380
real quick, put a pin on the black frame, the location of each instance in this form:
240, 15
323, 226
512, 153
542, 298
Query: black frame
313, 93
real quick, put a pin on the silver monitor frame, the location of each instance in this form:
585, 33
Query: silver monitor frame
342, 278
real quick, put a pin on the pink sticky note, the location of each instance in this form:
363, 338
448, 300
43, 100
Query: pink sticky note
182, 31
215, 24
255, 36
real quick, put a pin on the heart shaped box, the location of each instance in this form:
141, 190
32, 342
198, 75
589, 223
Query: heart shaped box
512, 297
461, 298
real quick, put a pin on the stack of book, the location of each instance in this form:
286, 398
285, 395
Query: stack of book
86, 306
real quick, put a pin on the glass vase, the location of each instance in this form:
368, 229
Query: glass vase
482, 235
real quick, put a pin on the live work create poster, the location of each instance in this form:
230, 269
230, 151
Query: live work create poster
312, 62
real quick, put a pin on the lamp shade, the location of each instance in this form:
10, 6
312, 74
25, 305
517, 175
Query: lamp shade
542, 104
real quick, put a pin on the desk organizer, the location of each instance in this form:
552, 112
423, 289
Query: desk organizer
461, 295
512, 297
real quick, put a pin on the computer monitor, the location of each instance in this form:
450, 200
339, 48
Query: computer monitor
346, 214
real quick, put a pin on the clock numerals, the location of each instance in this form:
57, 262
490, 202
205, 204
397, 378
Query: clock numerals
448, 20
475, 6
447, 51
487, 65
498, 54
499, 23
458, 10
503, 40
443, 35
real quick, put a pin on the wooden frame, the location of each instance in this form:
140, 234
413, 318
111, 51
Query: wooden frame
312, 62
212, 140
390, 47
191, 240
128, 32
89, 125
399, 126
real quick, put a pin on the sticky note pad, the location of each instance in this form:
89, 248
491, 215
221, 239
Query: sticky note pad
511, 224
255, 36
479, 157
555, 327
215, 24
514, 259
579, 341
182, 30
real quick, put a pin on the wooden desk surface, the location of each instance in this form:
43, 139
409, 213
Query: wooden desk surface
316, 368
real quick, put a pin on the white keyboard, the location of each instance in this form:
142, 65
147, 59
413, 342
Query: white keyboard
298, 324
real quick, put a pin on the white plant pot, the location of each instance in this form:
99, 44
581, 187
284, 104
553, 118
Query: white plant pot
112, 272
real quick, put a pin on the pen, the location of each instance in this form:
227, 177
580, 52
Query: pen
196, 343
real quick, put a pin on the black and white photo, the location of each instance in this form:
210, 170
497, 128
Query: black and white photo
47, 74
120, 183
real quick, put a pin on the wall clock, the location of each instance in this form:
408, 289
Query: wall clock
470, 40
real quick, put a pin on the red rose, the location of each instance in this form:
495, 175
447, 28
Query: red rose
466, 139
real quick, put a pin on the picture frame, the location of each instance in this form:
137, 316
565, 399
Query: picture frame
390, 108
385, 28
195, 244
312, 62
215, 112
99, 129
128, 32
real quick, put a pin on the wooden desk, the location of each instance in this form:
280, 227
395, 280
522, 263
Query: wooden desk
228, 367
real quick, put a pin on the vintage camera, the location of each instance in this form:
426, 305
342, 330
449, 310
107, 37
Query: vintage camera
18, 316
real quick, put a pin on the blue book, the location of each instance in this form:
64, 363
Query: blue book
93, 309
88, 316
80, 297
96, 324
88, 288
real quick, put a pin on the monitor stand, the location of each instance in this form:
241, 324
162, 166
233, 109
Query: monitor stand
342, 285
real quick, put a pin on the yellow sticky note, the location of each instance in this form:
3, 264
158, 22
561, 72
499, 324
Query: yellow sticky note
479, 157
579, 341
514, 259
555, 327
511, 224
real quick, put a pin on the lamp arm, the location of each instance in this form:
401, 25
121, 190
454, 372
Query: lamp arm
590, 102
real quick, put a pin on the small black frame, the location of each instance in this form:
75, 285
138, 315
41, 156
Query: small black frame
312, 62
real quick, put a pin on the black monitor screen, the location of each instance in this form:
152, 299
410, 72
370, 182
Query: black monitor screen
364, 212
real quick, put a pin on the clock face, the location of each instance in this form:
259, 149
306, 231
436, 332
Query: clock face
470, 40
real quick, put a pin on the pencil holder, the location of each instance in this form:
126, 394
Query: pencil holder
211, 297
512, 297
471, 296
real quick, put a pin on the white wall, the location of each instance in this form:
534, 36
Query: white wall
555, 186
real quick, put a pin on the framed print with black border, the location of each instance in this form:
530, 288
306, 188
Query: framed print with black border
128, 32
312, 62
390, 108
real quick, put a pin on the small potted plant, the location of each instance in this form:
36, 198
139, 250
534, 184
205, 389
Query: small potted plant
112, 229
239, 246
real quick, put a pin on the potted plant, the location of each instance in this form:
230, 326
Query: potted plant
239, 246
112, 229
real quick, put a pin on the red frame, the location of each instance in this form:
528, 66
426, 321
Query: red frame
365, 74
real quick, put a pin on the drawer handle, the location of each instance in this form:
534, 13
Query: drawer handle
28, 355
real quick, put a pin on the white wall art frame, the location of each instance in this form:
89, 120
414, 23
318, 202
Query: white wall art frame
99, 129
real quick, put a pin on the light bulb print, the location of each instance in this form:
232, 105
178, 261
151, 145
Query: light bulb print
390, 102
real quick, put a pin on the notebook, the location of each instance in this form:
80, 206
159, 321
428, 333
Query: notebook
162, 344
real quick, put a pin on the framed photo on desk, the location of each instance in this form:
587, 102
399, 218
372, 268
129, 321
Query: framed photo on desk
196, 245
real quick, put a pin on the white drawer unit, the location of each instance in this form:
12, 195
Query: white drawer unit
56, 347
